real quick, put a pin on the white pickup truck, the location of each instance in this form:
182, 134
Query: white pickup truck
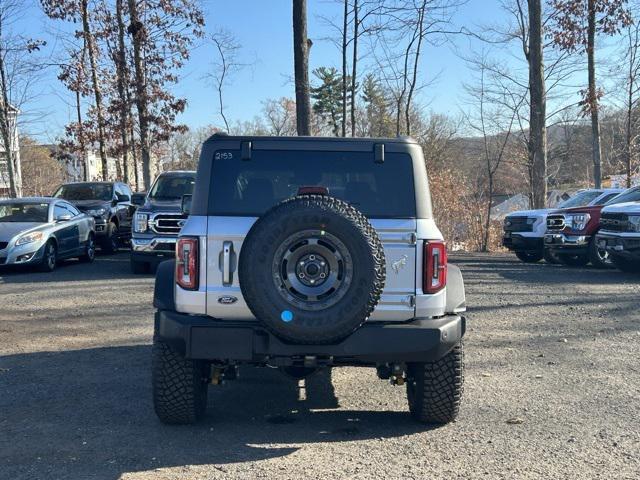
619, 232
524, 230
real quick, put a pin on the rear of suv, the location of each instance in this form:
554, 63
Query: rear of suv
159, 219
307, 253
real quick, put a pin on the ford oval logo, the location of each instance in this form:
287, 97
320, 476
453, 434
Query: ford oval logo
181, 223
227, 300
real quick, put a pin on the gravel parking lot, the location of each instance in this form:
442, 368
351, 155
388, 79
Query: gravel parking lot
552, 388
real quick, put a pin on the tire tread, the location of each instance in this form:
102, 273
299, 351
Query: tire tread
438, 388
179, 389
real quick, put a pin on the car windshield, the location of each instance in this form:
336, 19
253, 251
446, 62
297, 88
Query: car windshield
172, 187
24, 212
631, 195
581, 199
85, 191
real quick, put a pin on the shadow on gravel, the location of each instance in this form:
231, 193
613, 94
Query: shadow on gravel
104, 267
88, 414
475, 266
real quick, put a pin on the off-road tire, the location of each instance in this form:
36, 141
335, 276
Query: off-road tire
89, 254
48, 263
529, 257
595, 257
573, 260
434, 389
329, 216
625, 265
179, 386
110, 243
140, 268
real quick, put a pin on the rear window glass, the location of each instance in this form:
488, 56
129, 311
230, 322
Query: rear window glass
250, 188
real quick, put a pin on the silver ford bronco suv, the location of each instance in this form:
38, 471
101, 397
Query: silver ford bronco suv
309, 253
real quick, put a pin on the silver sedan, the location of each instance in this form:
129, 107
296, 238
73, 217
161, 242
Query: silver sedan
41, 231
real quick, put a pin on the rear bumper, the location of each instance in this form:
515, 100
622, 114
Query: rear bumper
201, 337
519, 243
573, 244
623, 245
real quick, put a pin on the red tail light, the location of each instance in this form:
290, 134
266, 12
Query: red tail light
187, 263
434, 268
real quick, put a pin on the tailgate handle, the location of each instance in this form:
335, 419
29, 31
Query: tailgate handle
227, 253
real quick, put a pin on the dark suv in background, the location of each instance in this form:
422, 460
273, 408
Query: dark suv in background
159, 219
109, 203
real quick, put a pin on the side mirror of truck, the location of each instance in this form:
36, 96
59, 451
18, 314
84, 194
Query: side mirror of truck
138, 198
186, 204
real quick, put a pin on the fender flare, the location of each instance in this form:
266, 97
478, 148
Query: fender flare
456, 299
164, 291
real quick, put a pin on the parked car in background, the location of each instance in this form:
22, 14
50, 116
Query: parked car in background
40, 231
109, 203
619, 233
159, 219
571, 234
524, 230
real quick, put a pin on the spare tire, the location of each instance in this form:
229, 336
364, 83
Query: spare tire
312, 269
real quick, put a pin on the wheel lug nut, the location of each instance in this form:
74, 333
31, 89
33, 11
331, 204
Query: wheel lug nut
301, 275
312, 257
322, 275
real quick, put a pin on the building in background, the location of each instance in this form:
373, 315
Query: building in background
5, 190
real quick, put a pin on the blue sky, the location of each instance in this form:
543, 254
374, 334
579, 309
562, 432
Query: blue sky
263, 28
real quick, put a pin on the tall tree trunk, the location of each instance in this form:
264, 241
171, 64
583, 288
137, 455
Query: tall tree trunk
137, 30
487, 223
354, 67
345, 23
134, 157
97, 91
631, 86
593, 95
414, 79
628, 129
123, 78
301, 45
81, 144
537, 144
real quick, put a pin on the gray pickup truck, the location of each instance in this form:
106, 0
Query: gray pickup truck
158, 220
309, 253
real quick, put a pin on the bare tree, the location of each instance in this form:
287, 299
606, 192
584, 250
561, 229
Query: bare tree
301, 47
493, 117
403, 27
280, 116
576, 24
225, 67
344, 47
537, 145
632, 101
162, 34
